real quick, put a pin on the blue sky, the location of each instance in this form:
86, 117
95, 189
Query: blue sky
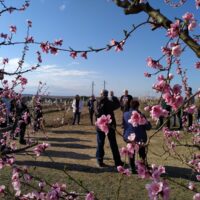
84, 23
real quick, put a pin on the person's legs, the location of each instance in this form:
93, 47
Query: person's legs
91, 112
78, 116
22, 133
100, 147
74, 119
190, 119
114, 147
132, 163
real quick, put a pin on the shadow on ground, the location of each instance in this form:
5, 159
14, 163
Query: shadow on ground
71, 132
72, 145
179, 172
68, 166
55, 139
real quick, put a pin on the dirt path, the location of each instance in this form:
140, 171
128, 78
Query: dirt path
71, 146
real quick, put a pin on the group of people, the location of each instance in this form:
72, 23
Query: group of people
181, 115
106, 105
17, 116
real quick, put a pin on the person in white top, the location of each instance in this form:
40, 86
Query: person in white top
77, 106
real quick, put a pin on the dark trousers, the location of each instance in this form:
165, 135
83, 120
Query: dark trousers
190, 119
91, 113
142, 154
22, 131
161, 121
113, 145
76, 116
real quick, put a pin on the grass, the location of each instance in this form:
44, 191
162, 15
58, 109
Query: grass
74, 147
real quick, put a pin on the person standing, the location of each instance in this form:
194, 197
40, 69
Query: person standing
22, 119
77, 106
191, 101
139, 130
125, 100
90, 105
106, 107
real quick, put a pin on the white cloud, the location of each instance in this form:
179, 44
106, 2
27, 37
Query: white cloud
60, 80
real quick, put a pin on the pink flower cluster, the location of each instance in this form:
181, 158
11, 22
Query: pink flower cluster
190, 20
174, 29
195, 162
157, 111
40, 148
157, 187
6, 161
103, 122
137, 119
153, 63
197, 3
118, 45
2, 189
124, 171
90, 196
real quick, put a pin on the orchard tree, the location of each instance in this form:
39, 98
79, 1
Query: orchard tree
182, 34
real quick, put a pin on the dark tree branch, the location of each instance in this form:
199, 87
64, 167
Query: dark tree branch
162, 21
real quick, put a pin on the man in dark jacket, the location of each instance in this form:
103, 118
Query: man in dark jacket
107, 107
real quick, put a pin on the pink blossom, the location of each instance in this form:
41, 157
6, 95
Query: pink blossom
5, 61
157, 111
40, 148
5, 36
147, 75
166, 51
124, 171
23, 80
192, 25
197, 195
90, 196
147, 108
103, 122
29, 22
197, 3
137, 119
153, 63
176, 50
191, 186
170, 76
188, 16
198, 177
154, 189
2, 189
13, 29
174, 29
197, 65
53, 50
84, 55
73, 54
29, 39
45, 47
58, 42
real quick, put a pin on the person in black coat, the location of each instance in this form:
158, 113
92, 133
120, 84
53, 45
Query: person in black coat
107, 107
